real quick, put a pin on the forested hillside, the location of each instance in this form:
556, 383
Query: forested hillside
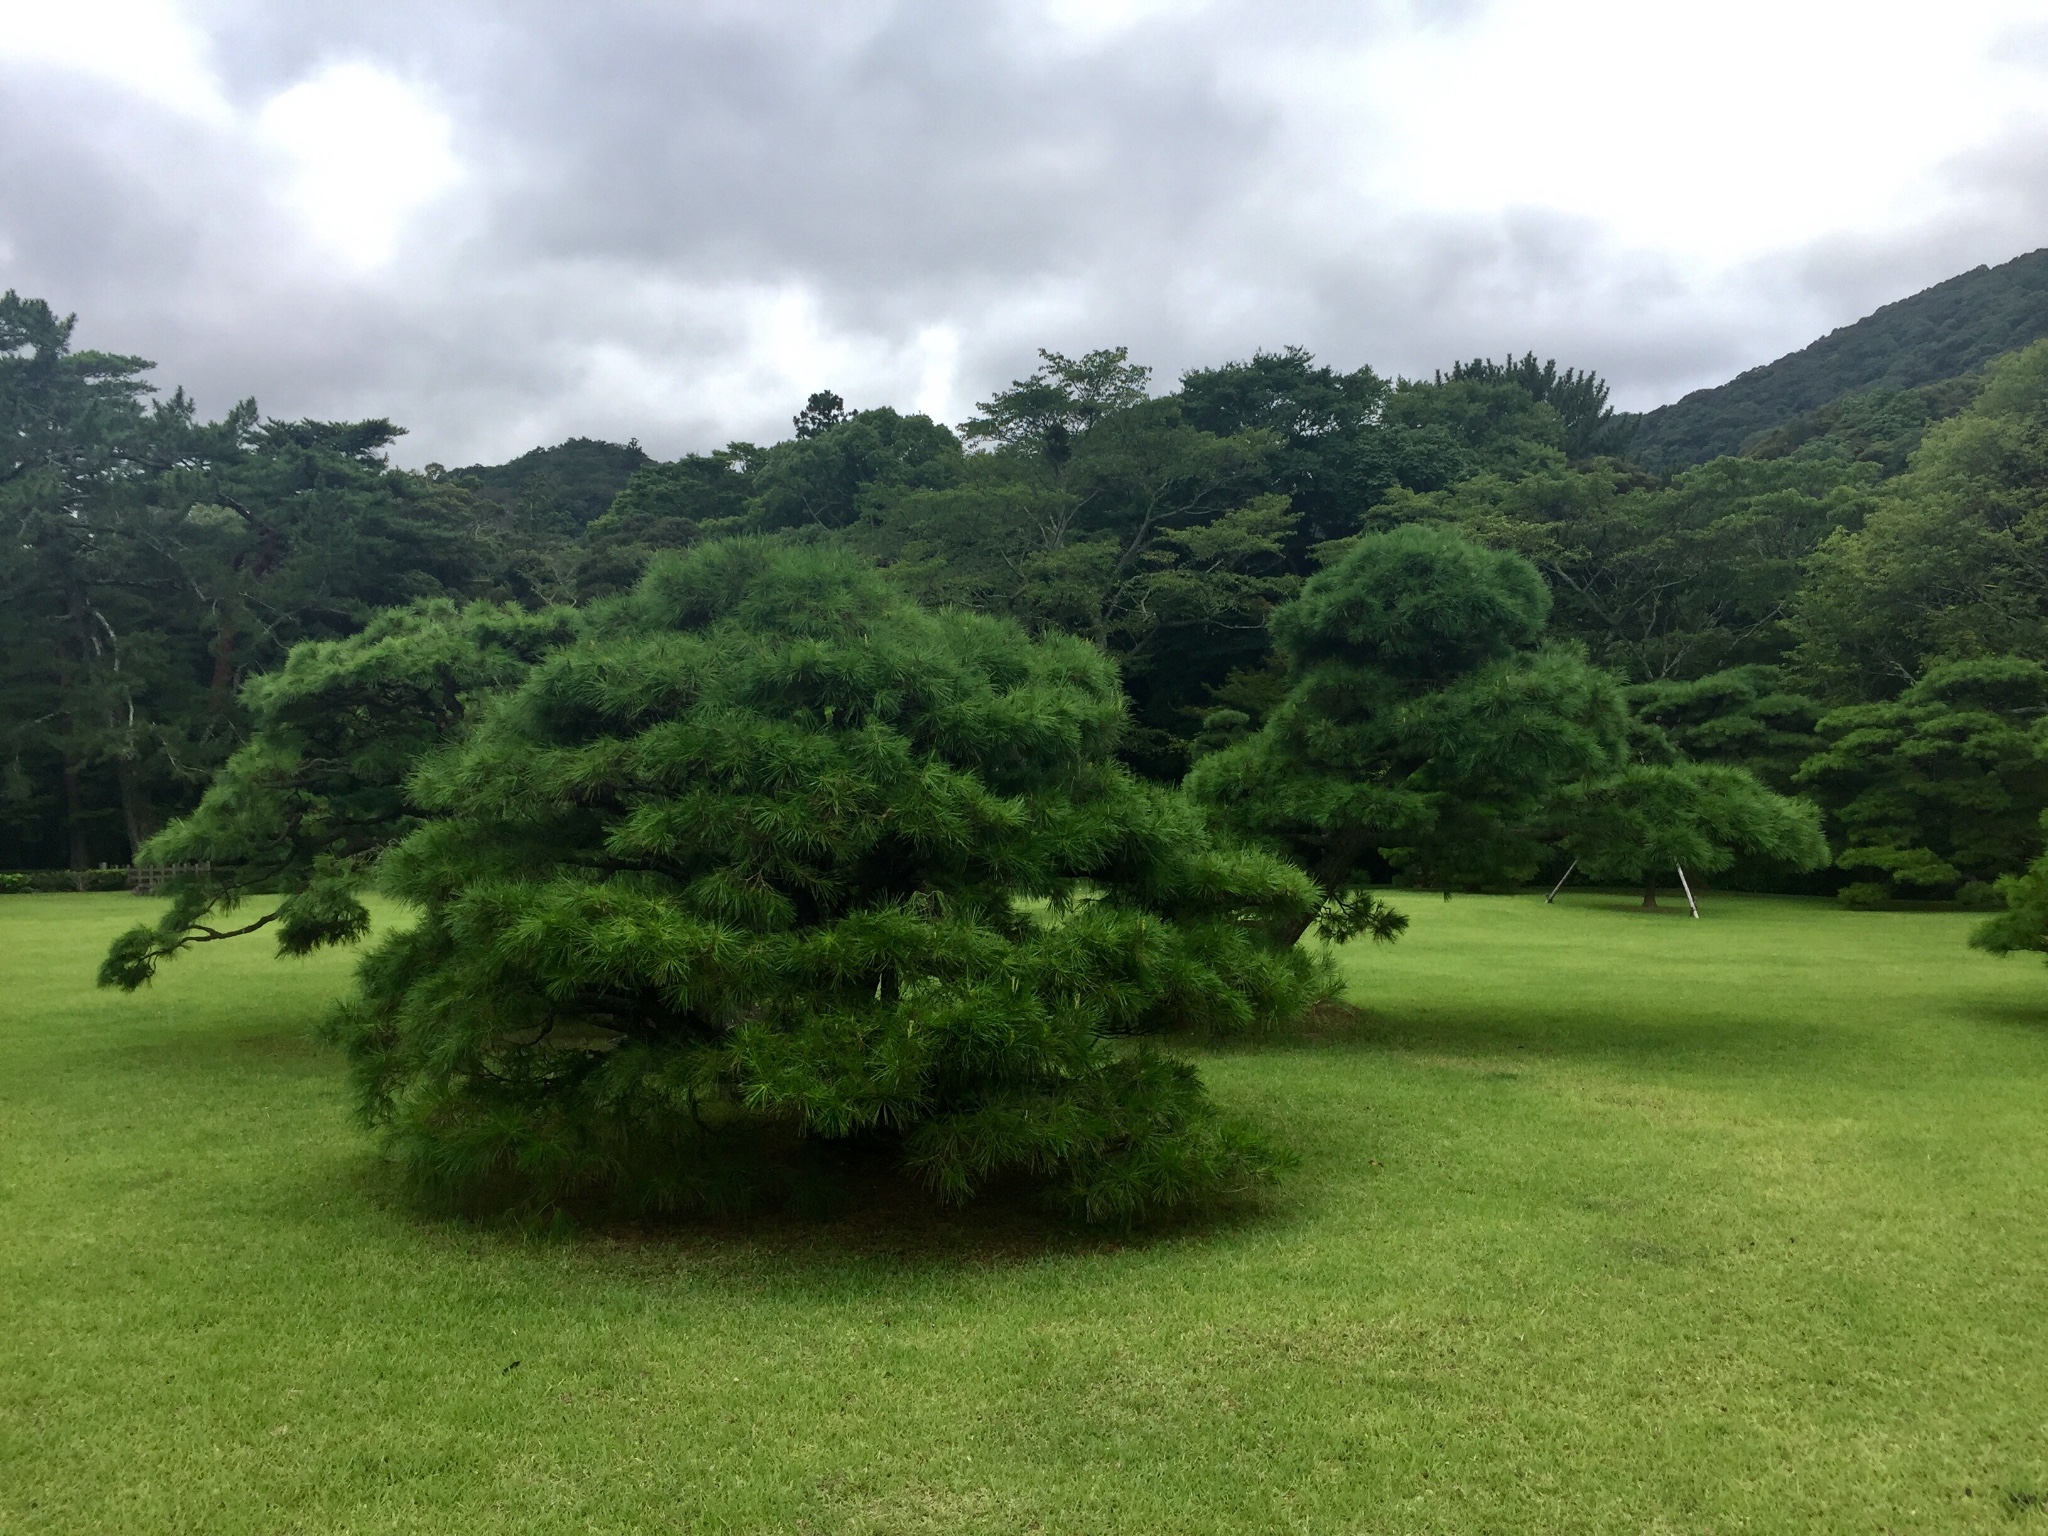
1853, 612
573, 482
1953, 328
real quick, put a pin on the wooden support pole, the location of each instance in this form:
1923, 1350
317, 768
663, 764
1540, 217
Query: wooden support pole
1560, 882
1688, 891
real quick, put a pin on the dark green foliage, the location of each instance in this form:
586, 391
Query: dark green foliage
305, 808
1663, 580
824, 479
1241, 703
1873, 426
1419, 605
1101, 512
2023, 925
709, 490
1591, 429
98, 643
666, 506
1338, 455
1653, 819
1943, 786
1954, 562
1746, 716
821, 413
299, 530
1059, 402
1494, 425
1950, 329
156, 561
107, 878
772, 850
1423, 728
571, 484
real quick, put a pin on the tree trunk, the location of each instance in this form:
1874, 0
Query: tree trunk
136, 811
74, 767
1288, 934
1330, 874
221, 689
74, 807
1650, 898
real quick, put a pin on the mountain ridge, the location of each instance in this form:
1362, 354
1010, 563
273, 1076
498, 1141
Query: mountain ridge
1941, 332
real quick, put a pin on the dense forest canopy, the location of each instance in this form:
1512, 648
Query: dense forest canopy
1884, 523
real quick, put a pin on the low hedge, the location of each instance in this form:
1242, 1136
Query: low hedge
21, 882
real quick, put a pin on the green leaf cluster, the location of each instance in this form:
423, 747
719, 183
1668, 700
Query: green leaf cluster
1954, 562
1652, 819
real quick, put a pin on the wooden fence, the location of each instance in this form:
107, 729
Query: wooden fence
149, 879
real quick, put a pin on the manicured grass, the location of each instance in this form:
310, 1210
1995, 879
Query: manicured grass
1603, 1222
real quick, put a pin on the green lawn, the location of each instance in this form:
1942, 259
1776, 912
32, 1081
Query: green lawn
1603, 1222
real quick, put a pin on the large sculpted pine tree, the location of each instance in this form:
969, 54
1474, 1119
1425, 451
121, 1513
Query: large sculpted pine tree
1425, 726
768, 850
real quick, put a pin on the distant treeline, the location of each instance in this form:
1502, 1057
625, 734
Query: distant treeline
1861, 592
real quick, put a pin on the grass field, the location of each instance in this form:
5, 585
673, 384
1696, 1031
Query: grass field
1603, 1222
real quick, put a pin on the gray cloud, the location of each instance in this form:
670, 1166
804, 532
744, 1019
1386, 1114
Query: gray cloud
676, 220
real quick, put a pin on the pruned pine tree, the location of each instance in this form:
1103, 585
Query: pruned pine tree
2023, 925
307, 807
768, 850
1650, 820
1423, 729
1942, 789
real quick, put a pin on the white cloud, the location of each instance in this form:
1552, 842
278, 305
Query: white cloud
1716, 133
938, 375
147, 47
506, 224
1098, 21
363, 150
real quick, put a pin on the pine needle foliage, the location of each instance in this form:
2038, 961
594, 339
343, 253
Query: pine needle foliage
771, 850
307, 806
1424, 727
1652, 819
2023, 925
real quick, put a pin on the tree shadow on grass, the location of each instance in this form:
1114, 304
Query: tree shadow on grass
864, 1228
219, 1044
849, 1215
2012, 1013
1672, 1041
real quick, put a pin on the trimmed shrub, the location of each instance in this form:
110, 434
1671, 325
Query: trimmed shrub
771, 852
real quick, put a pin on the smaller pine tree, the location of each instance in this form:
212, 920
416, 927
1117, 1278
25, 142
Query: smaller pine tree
1423, 728
2023, 925
1653, 819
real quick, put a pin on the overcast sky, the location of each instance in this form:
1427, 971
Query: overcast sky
503, 224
